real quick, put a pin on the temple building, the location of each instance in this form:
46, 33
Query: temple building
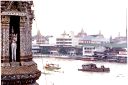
81, 34
17, 66
39, 39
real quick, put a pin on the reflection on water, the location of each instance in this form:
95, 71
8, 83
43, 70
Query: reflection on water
69, 74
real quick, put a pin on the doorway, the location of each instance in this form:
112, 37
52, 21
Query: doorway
15, 28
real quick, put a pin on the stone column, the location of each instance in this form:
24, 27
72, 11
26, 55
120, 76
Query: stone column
5, 39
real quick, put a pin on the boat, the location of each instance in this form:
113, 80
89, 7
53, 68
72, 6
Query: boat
93, 68
52, 67
89, 59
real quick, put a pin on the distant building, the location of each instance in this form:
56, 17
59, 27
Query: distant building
81, 34
120, 41
89, 50
40, 39
93, 39
66, 40
118, 51
35, 48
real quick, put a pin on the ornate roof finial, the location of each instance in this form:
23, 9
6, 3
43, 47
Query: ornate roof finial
82, 30
119, 34
99, 32
64, 33
38, 32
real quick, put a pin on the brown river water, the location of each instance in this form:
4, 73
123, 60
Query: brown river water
69, 74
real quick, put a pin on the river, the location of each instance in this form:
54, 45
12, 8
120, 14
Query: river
69, 74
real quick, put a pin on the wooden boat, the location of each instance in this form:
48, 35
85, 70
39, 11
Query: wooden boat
93, 68
52, 67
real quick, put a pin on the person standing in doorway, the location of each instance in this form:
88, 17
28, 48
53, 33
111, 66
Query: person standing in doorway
14, 46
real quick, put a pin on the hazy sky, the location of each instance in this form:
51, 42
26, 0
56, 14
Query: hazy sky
55, 16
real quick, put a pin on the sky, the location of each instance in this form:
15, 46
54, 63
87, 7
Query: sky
53, 17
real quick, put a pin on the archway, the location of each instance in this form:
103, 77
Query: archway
15, 28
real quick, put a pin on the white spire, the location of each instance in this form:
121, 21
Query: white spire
99, 32
82, 30
119, 34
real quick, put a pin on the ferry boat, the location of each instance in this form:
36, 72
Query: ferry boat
52, 67
93, 68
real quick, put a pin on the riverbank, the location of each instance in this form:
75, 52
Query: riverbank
122, 60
